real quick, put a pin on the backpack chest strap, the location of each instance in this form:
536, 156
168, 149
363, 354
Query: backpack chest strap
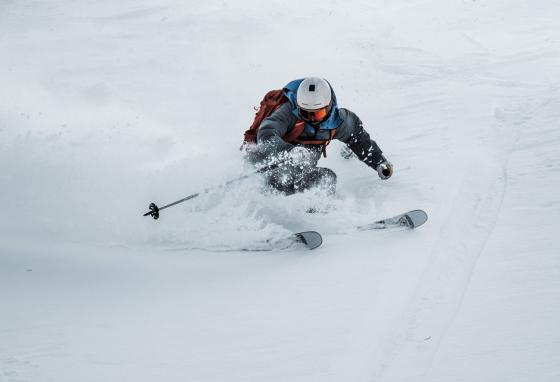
293, 135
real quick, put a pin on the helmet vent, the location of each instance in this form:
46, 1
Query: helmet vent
311, 88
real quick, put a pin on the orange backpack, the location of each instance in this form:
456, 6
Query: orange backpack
271, 101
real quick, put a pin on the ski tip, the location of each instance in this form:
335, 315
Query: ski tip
416, 218
311, 239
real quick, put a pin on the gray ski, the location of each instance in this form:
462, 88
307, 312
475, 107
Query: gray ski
410, 219
300, 240
303, 240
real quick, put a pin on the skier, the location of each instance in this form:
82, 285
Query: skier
299, 128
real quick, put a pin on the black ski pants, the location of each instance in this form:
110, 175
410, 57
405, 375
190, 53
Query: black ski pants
294, 179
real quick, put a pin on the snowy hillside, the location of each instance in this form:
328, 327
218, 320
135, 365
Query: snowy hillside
107, 106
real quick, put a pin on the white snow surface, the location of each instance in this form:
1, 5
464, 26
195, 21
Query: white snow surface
106, 106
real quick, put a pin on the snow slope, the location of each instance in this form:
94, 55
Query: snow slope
105, 107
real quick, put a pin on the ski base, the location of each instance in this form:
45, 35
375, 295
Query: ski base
411, 219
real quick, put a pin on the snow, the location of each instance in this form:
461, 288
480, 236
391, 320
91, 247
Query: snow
108, 106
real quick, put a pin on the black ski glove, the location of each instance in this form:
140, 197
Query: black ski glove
384, 169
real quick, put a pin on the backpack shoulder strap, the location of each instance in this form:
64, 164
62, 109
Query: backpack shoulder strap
296, 131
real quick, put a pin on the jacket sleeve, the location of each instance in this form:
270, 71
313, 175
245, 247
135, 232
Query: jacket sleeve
274, 127
352, 132
269, 138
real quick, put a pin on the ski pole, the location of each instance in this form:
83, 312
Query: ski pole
154, 209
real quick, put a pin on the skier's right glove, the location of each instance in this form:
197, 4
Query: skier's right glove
384, 169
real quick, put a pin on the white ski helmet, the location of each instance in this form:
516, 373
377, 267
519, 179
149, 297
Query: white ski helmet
314, 93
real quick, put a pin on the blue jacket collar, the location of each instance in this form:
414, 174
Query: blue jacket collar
334, 120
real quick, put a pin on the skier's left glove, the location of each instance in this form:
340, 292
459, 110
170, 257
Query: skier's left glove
384, 169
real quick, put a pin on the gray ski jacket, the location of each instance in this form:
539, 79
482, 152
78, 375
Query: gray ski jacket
349, 131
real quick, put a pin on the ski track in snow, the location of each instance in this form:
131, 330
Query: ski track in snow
441, 288
101, 111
